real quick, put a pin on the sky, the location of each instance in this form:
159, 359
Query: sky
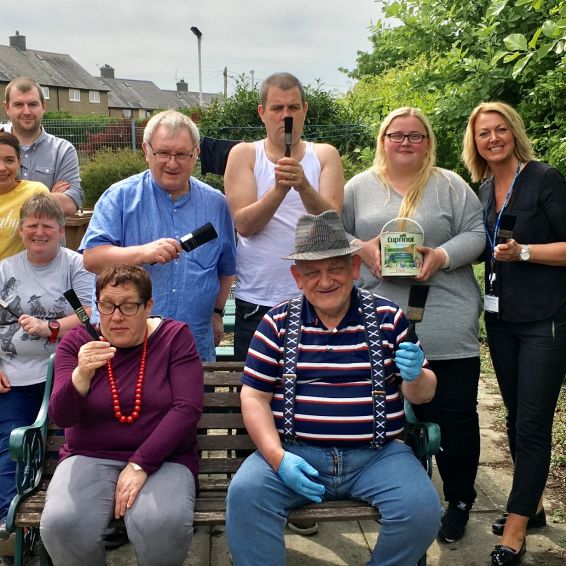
151, 39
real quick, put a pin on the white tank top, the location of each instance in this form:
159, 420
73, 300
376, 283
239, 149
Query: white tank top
263, 277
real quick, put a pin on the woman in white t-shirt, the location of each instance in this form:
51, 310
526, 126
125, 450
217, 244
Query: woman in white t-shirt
33, 316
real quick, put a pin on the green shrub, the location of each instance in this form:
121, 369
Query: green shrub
108, 167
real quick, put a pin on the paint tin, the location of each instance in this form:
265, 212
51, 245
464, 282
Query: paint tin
399, 239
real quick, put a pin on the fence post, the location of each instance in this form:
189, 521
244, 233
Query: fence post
133, 131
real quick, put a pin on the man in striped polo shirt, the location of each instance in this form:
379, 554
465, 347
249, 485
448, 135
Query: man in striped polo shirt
324, 435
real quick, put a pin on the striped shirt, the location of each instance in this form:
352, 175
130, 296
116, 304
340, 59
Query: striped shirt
333, 404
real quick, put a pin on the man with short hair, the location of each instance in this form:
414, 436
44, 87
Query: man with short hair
322, 398
267, 192
140, 221
45, 158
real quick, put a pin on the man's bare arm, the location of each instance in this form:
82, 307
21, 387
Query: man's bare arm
330, 195
250, 214
258, 418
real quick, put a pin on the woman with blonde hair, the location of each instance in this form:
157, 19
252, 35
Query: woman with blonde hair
525, 303
404, 182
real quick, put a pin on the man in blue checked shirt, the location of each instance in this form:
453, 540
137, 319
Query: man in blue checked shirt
140, 220
320, 432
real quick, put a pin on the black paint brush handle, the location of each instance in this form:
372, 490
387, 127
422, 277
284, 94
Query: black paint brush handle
73, 300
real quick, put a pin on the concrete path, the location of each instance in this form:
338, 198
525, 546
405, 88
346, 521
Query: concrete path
350, 543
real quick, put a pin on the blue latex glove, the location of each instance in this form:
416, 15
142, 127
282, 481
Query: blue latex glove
409, 359
294, 471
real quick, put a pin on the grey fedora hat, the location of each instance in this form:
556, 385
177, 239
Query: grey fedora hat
320, 237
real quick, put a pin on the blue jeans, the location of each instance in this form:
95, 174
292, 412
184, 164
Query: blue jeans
390, 479
18, 407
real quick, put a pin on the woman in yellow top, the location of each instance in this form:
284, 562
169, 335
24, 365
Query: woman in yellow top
13, 192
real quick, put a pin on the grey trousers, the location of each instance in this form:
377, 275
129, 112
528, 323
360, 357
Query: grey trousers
80, 503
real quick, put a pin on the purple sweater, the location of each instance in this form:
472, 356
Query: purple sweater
171, 402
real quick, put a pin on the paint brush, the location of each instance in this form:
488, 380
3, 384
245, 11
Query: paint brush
288, 132
73, 300
199, 237
506, 225
415, 308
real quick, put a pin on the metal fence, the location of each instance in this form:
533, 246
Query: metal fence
90, 136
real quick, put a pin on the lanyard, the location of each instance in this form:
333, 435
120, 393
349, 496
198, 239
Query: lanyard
491, 275
498, 217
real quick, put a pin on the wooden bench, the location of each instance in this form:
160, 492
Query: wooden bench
35, 449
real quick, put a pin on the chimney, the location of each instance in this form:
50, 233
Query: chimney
182, 86
107, 72
18, 41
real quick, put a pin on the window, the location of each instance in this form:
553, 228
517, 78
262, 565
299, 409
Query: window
74, 95
45, 90
94, 96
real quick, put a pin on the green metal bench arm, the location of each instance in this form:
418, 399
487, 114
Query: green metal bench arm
27, 448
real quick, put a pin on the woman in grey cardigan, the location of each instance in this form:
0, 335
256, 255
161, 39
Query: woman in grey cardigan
404, 182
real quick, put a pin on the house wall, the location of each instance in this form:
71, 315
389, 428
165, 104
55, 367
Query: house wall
59, 100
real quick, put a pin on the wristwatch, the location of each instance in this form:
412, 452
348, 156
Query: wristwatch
219, 311
525, 254
54, 327
135, 467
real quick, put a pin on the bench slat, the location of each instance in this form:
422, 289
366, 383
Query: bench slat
225, 442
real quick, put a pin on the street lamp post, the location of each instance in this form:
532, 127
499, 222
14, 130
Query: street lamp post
198, 33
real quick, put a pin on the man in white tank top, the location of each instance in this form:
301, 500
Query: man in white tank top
267, 192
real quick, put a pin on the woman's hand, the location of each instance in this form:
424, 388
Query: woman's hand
433, 260
370, 254
509, 251
92, 356
34, 326
4, 383
128, 486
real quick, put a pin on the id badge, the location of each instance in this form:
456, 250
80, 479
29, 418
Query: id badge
491, 303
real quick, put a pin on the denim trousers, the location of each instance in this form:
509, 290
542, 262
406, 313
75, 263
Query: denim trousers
18, 407
530, 363
454, 409
389, 478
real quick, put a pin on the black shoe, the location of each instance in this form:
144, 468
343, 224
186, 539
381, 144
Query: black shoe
503, 555
535, 522
454, 521
115, 537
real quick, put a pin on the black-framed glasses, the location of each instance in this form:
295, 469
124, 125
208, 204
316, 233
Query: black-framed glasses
127, 309
399, 137
165, 156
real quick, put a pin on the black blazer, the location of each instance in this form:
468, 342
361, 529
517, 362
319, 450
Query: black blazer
530, 291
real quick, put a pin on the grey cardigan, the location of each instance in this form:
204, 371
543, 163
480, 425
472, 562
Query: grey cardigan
451, 217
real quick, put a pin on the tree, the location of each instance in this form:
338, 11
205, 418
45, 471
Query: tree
447, 56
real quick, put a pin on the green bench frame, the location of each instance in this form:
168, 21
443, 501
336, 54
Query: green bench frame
226, 352
221, 438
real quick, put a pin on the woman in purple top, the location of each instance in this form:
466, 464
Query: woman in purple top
130, 404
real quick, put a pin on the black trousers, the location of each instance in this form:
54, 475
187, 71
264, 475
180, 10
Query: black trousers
454, 409
530, 363
248, 316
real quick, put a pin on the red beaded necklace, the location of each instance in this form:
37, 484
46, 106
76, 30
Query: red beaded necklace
139, 388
